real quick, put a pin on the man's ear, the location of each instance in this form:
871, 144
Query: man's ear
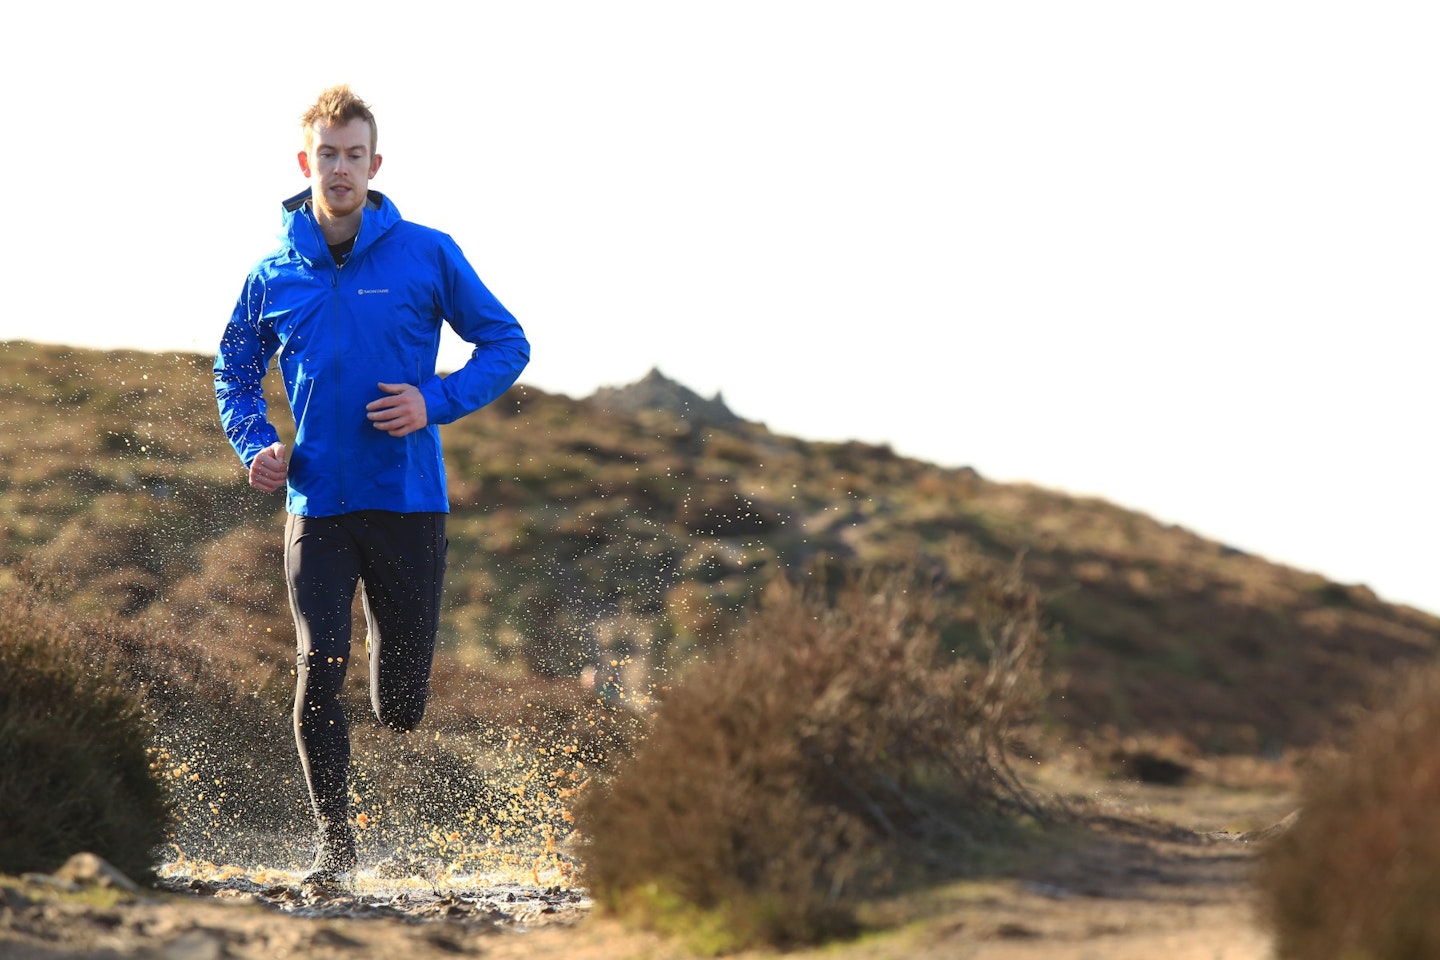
374, 165
304, 159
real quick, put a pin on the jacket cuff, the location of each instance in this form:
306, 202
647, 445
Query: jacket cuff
437, 404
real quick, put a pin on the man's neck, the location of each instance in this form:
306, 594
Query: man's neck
338, 229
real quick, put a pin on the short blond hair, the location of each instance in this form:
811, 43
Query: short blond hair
337, 106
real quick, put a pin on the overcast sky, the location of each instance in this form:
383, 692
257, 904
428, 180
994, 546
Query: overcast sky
1178, 255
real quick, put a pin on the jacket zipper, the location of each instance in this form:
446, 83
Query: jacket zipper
335, 373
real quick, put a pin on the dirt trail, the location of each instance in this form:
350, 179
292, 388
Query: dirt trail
1131, 893
1163, 873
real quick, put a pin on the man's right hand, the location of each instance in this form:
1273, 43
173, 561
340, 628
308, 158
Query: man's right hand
268, 469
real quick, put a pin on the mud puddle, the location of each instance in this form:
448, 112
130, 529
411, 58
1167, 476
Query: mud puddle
421, 892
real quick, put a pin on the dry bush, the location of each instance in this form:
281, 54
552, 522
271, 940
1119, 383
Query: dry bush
1358, 876
75, 774
833, 746
218, 728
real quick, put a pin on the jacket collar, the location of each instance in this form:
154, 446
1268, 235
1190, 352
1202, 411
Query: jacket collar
302, 233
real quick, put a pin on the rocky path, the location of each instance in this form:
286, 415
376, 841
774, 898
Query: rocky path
1159, 874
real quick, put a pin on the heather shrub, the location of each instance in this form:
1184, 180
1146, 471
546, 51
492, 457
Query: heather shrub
1358, 876
74, 770
830, 750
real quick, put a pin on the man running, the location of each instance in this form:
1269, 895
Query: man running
353, 302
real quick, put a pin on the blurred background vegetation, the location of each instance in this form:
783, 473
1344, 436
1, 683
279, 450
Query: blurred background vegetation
636, 528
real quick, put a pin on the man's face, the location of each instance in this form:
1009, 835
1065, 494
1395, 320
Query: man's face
340, 161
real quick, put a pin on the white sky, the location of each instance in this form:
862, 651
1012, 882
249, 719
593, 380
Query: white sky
1178, 255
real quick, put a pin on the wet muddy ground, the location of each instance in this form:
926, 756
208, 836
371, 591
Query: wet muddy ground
473, 902
1162, 873
229, 914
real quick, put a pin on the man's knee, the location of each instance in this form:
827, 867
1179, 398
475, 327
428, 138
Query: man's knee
399, 686
401, 710
402, 716
318, 680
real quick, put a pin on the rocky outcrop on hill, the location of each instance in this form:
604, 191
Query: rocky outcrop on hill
655, 391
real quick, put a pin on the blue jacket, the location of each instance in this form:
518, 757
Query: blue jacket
340, 331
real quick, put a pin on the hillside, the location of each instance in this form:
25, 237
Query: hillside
591, 532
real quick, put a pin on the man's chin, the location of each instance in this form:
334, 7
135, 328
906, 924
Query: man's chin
338, 207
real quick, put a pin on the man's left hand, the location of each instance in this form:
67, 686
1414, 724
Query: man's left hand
399, 413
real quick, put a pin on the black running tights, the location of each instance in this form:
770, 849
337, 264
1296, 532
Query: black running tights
398, 562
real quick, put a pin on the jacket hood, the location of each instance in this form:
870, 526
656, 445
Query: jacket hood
300, 231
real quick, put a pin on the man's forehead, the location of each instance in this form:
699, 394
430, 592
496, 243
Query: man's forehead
345, 136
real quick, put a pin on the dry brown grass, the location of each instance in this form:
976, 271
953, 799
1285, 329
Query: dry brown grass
1358, 876
832, 750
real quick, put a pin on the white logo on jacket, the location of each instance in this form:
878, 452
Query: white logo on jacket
362, 291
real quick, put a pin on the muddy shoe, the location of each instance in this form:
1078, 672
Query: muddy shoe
334, 855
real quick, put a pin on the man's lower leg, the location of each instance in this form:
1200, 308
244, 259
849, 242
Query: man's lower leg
334, 852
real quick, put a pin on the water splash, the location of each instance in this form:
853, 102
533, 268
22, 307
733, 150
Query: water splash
472, 819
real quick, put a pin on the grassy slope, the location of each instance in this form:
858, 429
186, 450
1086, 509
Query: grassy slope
581, 537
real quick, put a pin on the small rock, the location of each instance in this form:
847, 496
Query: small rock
88, 870
1016, 931
1274, 830
13, 899
49, 880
